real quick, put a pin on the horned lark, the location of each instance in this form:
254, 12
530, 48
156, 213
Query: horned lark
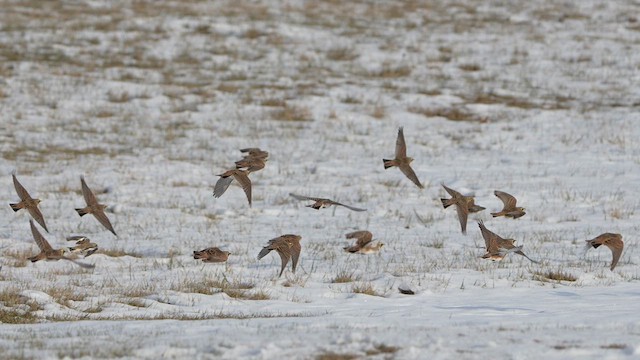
510, 209
83, 246
251, 164
211, 255
48, 253
288, 247
255, 153
402, 161
27, 202
613, 242
363, 243
241, 176
464, 206
93, 207
498, 247
323, 203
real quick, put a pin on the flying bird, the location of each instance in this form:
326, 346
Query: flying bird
48, 253
464, 206
27, 202
211, 255
241, 176
323, 203
509, 209
255, 153
83, 245
402, 161
363, 243
288, 247
93, 207
498, 247
251, 164
613, 242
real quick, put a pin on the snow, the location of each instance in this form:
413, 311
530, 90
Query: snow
150, 101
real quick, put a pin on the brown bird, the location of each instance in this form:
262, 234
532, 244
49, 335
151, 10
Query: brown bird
402, 161
362, 237
288, 247
255, 153
93, 207
497, 247
211, 255
27, 202
48, 253
251, 164
323, 203
510, 209
613, 242
83, 246
464, 206
241, 176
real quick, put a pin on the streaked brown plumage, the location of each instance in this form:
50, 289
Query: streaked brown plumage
251, 164
402, 161
509, 209
241, 176
83, 246
94, 208
613, 242
498, 247
47, 252
323, 203
255, 153
27, 202
211, 255
464, 206
288, 247
363, 237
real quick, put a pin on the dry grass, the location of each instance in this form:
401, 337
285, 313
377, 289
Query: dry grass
341, 53
16, 309
455, 113
330, 355
554, 275
118, 253
364, 288
344, 277
292, 113
382, 349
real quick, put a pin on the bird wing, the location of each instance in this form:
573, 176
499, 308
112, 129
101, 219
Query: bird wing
104, 220
409, 173
221, 186
87, 193
43, 244
401, 146
616, 245
363, 237
23, 194
284, 250
347, 206
245, 183
490, 238
296, 248
508, 200
37, 215
453, 193
463, 213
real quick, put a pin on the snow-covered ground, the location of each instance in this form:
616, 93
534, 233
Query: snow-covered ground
151, 100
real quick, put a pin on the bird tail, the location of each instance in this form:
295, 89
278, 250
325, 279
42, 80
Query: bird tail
197, 254
446, 203
82, 212
387, 163
496, 214
263, 252
15, 207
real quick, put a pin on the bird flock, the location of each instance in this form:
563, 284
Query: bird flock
288, 246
